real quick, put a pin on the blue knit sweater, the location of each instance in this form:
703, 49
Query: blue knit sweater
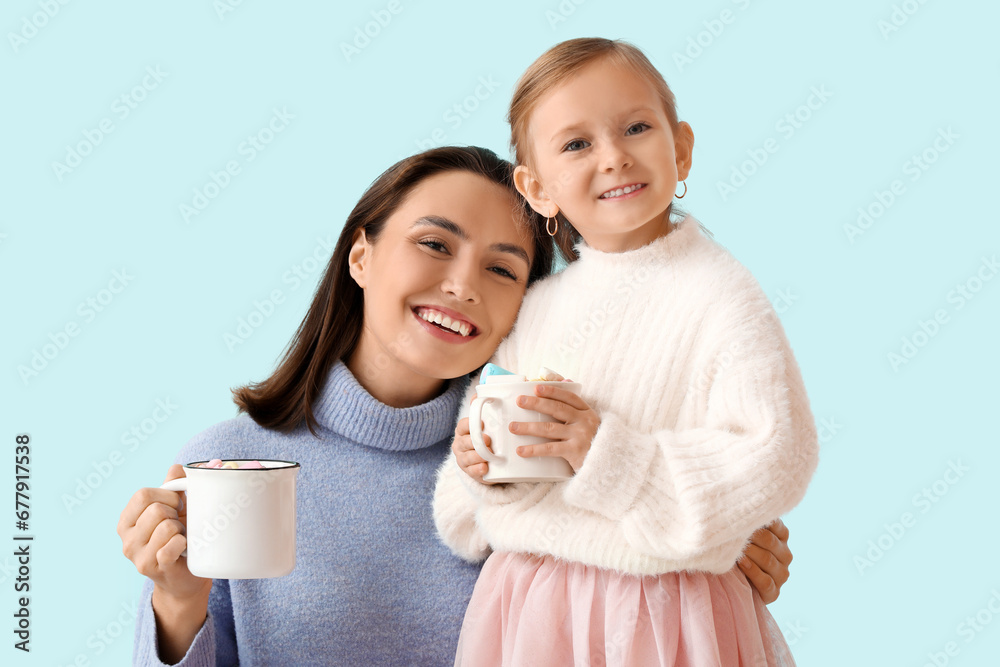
372, 585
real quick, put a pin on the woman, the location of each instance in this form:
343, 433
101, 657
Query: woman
426, 279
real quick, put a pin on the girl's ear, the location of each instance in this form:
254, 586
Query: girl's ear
683, 149
357, 259
531, 189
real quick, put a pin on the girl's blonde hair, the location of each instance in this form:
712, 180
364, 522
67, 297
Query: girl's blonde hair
555, 67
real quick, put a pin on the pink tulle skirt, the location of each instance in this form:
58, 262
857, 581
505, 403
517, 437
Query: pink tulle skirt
534, 610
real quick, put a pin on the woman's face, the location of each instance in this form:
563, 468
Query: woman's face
443, 283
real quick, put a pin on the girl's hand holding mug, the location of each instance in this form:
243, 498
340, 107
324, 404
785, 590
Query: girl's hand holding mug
474, 465
571, 434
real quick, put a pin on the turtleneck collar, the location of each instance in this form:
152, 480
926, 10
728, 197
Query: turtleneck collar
680, 238
345, 408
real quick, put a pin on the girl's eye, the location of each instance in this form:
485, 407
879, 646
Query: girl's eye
576, 145
505, 272
642, 127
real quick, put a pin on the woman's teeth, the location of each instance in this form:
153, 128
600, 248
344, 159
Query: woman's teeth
611, 194
444, 321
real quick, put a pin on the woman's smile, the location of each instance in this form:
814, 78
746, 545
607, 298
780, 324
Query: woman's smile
445, 324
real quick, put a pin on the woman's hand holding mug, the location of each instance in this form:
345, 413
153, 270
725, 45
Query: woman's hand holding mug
152, 528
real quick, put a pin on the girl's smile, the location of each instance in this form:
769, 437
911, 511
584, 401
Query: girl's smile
623, 192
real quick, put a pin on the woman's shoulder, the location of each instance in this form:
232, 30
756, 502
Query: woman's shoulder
232, 438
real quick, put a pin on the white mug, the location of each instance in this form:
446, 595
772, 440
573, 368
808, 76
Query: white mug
496, 406
240, 521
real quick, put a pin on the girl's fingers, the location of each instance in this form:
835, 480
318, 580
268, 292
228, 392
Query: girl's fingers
550, 430
555, 448
559, 394
464, 444
547, 406
470, 458
478, 470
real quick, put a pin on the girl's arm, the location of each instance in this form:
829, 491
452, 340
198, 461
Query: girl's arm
679, 493
457, 495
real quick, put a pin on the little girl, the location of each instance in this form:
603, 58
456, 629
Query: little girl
693, 427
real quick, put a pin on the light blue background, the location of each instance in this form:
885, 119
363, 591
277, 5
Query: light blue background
845, 305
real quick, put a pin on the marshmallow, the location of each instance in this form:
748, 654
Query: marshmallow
548, 375
218, 464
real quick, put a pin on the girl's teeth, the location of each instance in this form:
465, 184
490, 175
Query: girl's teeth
446, 322
621, 191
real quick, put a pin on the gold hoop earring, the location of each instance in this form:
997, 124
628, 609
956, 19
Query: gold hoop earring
681, 196
551, 232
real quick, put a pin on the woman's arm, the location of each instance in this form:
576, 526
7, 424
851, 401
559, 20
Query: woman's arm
183, 619
766, 559
178, 622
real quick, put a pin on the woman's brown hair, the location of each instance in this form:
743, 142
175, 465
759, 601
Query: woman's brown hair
555, 67
332, 326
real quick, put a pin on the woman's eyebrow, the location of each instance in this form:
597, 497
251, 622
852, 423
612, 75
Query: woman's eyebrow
454, 228
443, 223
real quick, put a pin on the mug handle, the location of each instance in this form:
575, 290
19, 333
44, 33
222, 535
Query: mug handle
476, 429
179, 484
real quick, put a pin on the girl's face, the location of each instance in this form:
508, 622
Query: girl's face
443, 283
593, 137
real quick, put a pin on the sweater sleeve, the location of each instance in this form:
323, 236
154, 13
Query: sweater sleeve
457, 497
215, 643
748, 459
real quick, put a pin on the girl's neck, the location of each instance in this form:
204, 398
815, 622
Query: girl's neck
656, 228
389, 382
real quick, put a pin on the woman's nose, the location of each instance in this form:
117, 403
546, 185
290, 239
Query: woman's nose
462, 283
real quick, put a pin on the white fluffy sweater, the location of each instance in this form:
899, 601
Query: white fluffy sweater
706, 432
